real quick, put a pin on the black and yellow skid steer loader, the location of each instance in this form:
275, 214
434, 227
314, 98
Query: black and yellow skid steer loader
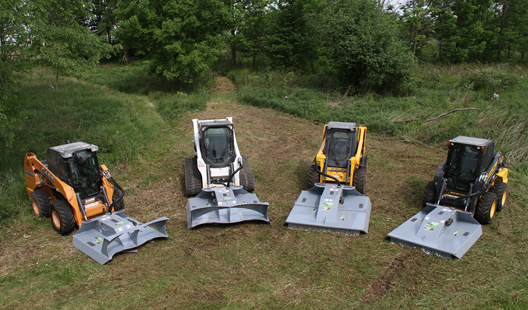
467, 190
336, 202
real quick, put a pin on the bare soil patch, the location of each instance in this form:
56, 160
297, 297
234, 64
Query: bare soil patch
223, 85
384, 281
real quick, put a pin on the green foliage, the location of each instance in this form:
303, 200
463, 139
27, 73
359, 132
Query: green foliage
490, 80
61, 41
123, 126
289, 42
248, 27
435, 90
360, 40
180, 38
466, 30
13, 64
103, 21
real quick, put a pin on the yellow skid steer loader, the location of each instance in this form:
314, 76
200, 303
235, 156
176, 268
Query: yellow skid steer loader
336, 202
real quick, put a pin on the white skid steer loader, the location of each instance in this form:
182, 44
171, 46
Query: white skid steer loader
220, 177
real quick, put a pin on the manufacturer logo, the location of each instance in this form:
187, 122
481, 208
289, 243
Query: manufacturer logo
48, 175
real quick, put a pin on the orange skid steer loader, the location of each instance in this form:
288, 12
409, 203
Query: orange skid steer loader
74, 190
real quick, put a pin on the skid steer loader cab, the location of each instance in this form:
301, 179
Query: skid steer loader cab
473, 178
341, 144
341, 156
217, 144
466, 160
76, 164
467, 190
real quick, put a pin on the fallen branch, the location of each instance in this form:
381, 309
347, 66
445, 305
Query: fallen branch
447, 113
407, 120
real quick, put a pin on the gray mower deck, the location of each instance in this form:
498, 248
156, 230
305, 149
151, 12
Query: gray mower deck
107, 235
328, 207
440, 230
221, 205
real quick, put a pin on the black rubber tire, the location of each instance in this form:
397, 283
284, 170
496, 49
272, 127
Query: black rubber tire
247, 180
193, 179
40, 202
501, 190
313, 176
121, 204
360, 179
486, 208
62, 219
429, 195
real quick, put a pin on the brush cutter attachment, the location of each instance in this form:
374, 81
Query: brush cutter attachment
439, 230
332, 208
225, 205
107, 235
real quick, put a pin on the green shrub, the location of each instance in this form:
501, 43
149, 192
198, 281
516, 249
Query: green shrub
490, 80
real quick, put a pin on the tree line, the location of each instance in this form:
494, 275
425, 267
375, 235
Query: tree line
179, 39
364, 44
465, 30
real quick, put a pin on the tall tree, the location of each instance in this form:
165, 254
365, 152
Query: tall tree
248, 27
103, 21
460, 28
180, 38
60, 39
290, 41
361, 41
13, 49
417, 21
509, 24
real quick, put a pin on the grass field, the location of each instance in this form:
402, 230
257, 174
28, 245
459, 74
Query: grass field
249, 265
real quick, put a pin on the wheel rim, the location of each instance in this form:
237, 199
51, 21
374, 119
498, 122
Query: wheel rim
503, 200
493, 208
55, 219
35, 207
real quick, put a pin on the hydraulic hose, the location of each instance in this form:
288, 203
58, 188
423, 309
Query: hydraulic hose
110, 179
233, 174
328, 176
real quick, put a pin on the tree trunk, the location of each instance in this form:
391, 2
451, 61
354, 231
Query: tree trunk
501, 31
57, 79
233, 56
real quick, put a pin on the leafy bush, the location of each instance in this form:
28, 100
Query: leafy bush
360, 41
490, 80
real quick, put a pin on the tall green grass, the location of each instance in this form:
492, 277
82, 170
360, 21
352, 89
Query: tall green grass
491, 96
122, 126
170, 98
117, 108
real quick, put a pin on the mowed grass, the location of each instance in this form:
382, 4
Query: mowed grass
251, 265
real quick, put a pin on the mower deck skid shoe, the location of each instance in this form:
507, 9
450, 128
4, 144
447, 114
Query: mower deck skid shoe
223, 205
331, 208
107, 235
439, 230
